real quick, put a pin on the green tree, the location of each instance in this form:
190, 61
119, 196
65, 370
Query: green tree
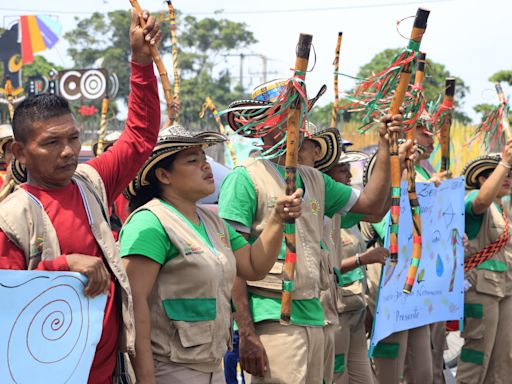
434, 83
201, 43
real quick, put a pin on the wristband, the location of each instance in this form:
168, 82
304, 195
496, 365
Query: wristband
505, 165
358, 260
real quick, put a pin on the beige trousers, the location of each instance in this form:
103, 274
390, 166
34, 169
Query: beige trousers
486, 356
438, 340
166, 373
351, 351
413, 344
295, 353
329, 338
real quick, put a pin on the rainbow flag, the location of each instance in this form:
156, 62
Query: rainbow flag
38, 33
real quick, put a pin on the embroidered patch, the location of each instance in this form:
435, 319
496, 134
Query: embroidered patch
191, 250
271, 202
37, 248
223, 240
315, 206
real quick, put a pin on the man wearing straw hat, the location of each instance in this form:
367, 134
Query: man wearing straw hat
486, 356
58, 220
268, 350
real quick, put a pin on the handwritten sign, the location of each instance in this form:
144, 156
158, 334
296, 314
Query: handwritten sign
49, 328
438, 292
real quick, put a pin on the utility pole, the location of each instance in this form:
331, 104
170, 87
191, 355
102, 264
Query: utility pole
242, 56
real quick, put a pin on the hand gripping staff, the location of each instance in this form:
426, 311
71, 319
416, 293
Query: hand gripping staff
103, 126
443, 120
166, 84
336, 64
411, 189
174, 42
209, 104
292, 151
420, 24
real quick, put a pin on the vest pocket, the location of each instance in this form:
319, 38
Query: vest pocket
491, 283
192, 342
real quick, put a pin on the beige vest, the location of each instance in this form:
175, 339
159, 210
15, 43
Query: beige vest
331, 239
191, 300
25, 222
483, 278
353, 295
311, 273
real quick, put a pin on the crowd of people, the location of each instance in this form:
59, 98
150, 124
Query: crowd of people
177, 274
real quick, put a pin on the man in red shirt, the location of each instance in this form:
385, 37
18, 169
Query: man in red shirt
73, 198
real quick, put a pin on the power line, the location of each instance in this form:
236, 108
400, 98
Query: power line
249, 12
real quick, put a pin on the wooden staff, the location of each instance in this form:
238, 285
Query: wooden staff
174, 41
446, 108
420, 24
103, 126
292, 155
411, 189
166, 84
209, 104
503, 100
336, 64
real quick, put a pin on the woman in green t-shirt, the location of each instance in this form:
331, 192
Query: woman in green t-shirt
182, 259
485, 356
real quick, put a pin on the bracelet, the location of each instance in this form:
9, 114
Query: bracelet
505, 165
358, 260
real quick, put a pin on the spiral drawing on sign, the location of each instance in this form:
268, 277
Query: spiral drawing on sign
93, 84
50, 334
69, 85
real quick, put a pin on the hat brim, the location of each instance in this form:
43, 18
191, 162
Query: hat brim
330, 149
242, 111
368, 168
18, 171
352, 156
106, 145
477, 166
168, 147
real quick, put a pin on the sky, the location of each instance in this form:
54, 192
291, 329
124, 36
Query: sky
470, 37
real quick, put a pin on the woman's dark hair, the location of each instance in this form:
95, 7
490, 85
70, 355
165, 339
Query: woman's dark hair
149, 192
485, 174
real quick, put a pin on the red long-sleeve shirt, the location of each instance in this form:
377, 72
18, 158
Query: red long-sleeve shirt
117, 167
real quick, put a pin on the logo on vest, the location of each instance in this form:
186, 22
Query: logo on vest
190, 249
315, 206
271, 202
37, 248
223, 240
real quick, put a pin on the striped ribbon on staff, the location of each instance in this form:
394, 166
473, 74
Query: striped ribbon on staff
444, 119
336, 64
411, 188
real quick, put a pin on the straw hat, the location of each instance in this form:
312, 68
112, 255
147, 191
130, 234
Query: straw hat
109, 139
6, 135
170, 141
329, 142
368, 168
475, 168
241, 111
351, 156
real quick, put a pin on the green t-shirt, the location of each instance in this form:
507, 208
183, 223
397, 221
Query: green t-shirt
351, 219
238, 203
144, 235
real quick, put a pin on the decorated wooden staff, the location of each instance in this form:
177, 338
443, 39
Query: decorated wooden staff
209, 104
420, 24
495, 127
103, 126
166, 84
411, 189
443, 120
174, 42
336, 64
292, 152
